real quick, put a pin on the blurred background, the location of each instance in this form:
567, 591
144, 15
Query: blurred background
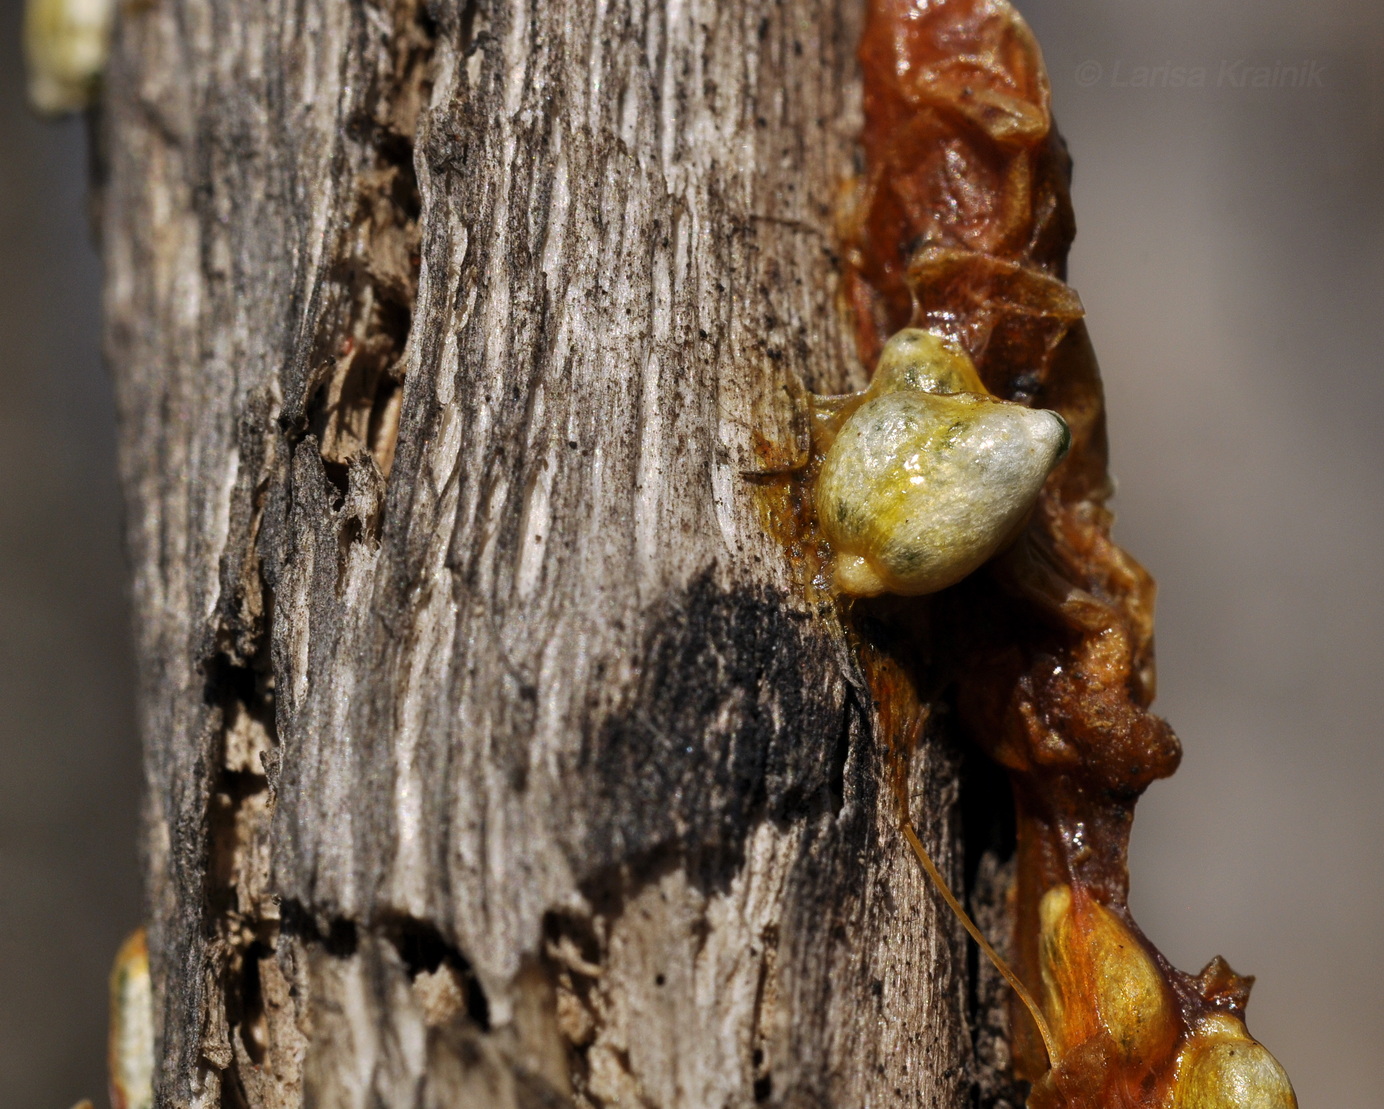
1231, 260
69, 759
1229, 159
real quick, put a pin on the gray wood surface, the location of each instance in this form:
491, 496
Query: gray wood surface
495, 753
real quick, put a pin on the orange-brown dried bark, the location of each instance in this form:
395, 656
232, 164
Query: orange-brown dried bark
962, 223
959, 153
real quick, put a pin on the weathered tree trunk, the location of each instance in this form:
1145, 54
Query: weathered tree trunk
496, 754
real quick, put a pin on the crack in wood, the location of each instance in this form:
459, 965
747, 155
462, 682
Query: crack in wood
353, 418
356, 389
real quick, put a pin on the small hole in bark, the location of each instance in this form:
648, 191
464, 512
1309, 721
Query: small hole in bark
340, 940
841, 751
233, 1090
423, 949
562, 930
254, 1031
426, 23
477, 1005
419, 944
468, 25
227, 680
383, 430
339, 477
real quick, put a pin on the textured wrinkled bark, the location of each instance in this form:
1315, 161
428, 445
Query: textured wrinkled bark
496, 752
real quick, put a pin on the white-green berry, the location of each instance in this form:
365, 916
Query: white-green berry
931, 475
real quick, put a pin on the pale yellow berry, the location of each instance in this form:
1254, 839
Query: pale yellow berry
131, 1047
919, 489
930, 475
65, 45
1222, 1067
1099, 980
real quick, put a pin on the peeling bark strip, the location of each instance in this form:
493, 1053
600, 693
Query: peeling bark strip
494, 753
960, 227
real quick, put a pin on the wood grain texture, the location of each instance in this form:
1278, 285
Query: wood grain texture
495, 753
